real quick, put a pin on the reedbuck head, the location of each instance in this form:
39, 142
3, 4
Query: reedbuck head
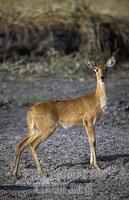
101, 69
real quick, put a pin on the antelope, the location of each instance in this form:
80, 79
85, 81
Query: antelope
44, 117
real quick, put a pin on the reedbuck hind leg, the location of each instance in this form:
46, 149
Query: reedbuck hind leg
38, 140
92, 141
35, 157
33, 145
20, 149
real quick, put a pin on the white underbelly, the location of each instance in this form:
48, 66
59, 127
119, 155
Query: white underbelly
66, 126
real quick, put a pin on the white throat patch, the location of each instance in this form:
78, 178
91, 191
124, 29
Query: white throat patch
103, 103
101, 82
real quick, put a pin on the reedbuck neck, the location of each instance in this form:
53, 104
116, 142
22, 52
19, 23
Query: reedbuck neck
101, 73
101, 92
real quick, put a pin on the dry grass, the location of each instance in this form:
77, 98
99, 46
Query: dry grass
53, 31
115, 8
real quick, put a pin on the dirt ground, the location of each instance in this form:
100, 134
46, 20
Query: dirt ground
65, 155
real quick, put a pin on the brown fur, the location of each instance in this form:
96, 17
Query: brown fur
44, 117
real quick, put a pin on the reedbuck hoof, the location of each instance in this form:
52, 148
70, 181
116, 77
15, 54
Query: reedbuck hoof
41, 173
15, 175
96, 166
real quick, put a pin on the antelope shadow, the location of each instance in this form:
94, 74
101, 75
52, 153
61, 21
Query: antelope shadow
106, 158
113, 157
15, 187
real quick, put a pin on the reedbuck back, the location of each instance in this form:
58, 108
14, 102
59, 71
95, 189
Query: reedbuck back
44, 117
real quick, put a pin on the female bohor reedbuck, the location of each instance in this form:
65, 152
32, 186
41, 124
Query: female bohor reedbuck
44, 117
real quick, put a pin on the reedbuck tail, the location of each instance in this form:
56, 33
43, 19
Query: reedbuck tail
30, 121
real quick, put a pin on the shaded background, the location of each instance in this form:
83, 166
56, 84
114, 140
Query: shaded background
58, 35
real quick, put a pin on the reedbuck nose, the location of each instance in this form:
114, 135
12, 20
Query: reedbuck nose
102, 78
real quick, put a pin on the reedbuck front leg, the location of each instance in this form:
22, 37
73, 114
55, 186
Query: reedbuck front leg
92, 141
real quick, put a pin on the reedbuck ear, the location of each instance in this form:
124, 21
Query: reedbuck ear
111, 62
91, 64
